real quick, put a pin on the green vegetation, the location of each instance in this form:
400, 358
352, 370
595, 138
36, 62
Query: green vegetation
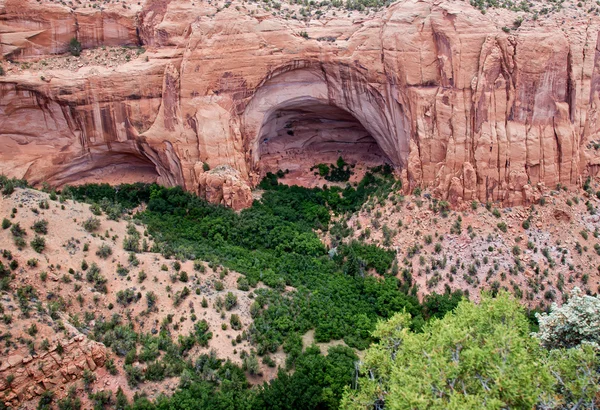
40, 226
6, 223
330, 291
75, 47
274, 242
340, 172
104, 251
38, 244
91, 224
480, 356
8, 185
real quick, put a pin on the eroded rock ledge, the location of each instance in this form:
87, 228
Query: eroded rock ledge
436, 88
33, 375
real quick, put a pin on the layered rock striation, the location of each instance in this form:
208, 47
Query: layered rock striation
436, 88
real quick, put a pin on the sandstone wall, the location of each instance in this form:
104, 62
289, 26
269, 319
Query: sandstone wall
455, 102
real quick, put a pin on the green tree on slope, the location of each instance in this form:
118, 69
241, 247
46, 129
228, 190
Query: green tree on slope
478, 357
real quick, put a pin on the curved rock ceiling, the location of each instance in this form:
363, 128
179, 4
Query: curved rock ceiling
317, 112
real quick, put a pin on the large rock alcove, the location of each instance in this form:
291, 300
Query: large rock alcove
304, 116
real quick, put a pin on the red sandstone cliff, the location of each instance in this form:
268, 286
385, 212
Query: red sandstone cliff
435, 87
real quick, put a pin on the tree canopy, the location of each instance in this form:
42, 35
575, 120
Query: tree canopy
477, 357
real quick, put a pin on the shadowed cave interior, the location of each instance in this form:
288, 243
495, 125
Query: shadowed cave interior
300, 135
118, 167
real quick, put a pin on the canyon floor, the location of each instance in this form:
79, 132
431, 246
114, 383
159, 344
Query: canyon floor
537, 253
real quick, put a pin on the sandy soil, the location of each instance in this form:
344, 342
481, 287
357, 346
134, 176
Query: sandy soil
64, 251
556, 226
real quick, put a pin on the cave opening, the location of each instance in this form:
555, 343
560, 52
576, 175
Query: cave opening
110, 166
301, 134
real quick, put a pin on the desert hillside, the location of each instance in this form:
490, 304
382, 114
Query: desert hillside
96, 295
83, 277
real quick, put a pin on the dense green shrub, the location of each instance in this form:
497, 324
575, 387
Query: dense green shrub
371, 256
91, 224
38, 244
40, 226
17, 231
104, 251
74, 47
6, 223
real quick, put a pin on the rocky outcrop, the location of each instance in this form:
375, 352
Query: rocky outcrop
436, 88
22, 378
223, 185
30, 30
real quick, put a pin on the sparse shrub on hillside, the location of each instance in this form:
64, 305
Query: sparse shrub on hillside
127, 296
122, 270
251, 365
8, 185
17, 231
96, 209
201, 333
91, 224
199, 266
243, 284
46, 399
104, 251
6, 223
151, 300
38, 244
131, 243
235, 322
71, 402
8, 188
456, 228
181, 295
40, 226
93, 276
135, 375
230, 301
